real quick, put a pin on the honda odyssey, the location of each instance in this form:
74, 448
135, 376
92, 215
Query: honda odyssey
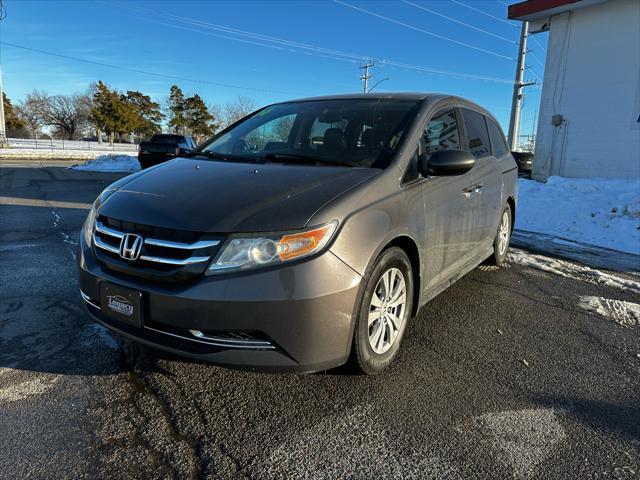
304, 236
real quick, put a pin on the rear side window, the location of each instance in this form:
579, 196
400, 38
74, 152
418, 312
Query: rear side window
498, 143
441, 132
477, 134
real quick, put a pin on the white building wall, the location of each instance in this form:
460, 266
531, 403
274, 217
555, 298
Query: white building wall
592, 79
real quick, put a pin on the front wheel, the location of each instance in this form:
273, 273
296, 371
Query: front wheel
385, 309
503, 237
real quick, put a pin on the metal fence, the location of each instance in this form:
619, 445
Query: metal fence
49, 144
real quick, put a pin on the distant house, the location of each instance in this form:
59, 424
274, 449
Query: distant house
589, 124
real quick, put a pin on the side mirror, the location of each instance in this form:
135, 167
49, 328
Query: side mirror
446, 162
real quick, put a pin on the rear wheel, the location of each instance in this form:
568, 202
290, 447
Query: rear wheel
385, 309
503, 237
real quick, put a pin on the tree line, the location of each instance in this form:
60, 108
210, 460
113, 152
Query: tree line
104, 113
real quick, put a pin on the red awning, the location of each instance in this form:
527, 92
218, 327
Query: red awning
533, 7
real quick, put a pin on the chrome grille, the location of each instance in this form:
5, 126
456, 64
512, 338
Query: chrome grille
161, 254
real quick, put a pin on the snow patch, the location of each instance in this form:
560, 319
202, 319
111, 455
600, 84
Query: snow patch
599, 212
626, 314
572, 270
110, 163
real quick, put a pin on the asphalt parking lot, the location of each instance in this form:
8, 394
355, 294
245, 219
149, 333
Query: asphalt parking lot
503, 375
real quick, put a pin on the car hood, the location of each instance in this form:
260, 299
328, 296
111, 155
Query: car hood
225, 197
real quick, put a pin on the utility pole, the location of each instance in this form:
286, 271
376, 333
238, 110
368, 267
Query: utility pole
3, 131
518, 85
366, 77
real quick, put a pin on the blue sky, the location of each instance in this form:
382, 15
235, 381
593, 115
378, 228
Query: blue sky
223, 45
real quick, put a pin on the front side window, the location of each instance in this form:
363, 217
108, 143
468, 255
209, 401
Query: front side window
441, 132
477, 134
362, 132
498, 143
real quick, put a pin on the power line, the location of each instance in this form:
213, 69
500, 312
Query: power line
291, 46
485, 13
442, 37
461, 23
533, 37
144, 72
535, 57
242, 33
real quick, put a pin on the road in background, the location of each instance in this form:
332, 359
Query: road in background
503, 375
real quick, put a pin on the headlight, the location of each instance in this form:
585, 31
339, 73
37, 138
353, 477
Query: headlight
242, 252
89, 223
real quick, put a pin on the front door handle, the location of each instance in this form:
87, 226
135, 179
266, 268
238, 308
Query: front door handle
472, 191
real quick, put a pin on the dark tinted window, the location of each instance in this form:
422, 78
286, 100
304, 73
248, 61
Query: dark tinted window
441, 132
362, 132
168, 138
477, 134
498, 143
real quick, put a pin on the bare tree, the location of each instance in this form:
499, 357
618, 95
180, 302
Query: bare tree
233, 111
68, 114
33, 110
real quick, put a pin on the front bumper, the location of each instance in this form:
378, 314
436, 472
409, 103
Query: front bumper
301, 315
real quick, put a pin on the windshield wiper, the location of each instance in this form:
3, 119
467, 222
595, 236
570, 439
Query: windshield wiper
220, 156
301, 158
208, 154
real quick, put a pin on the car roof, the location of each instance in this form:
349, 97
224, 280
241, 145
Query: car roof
416, 96
355, 96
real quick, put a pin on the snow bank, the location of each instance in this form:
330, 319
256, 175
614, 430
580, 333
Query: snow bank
574, 271
599, 212
111, 163
626, 314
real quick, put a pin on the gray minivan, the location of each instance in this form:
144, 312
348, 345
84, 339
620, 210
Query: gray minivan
305, 235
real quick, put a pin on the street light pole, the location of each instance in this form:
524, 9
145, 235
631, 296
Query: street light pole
378, 83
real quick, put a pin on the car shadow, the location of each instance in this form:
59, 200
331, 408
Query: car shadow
609, 417
55, 335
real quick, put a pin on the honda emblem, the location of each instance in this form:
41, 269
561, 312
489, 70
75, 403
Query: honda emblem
130, 246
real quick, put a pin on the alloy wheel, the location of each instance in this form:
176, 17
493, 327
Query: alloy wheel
503, 233
387, 310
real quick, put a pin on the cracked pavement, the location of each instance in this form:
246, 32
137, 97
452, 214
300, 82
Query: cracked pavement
503, 375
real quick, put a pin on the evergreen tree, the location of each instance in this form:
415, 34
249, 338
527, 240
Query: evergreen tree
13, 123
147, 113
200, 121
177, 110
111, 113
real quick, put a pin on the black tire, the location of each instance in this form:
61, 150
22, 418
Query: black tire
364, 359
500, 255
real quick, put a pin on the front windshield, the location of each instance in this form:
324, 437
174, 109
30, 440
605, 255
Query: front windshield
362, 132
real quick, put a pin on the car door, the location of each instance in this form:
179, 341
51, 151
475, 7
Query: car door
484, 193
448, 216
492, 196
